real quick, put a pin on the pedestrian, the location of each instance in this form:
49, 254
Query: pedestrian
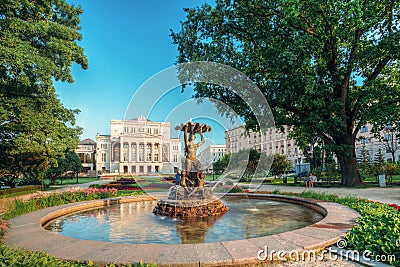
177, 178
285, 179
308, 181
311, 180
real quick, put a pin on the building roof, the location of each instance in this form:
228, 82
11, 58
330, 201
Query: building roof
87, 141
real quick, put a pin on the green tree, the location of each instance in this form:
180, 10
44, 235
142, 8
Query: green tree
70, 162
280, 165
325, 67
220, 165
248, 162
38, 45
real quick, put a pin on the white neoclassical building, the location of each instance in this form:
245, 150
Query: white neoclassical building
137, 146
86, 151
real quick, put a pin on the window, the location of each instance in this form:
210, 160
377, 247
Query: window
103, 157
175, 158
141, 152
156, 152
125, 152
156, 131
133, 152
364, 129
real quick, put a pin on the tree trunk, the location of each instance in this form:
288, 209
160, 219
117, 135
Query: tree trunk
349, 168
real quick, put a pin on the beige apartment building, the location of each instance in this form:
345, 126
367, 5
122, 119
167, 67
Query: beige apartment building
387, 142
273, 141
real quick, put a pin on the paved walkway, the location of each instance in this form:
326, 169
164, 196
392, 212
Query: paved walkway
386, 195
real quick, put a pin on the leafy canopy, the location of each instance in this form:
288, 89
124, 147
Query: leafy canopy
326, 67
38, 45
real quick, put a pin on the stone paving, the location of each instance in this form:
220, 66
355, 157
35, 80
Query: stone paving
386, 195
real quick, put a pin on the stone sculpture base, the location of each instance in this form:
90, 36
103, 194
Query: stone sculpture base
185, 202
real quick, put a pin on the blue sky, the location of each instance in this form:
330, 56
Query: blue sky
126, 43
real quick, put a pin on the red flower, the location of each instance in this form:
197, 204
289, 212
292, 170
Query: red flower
395, 206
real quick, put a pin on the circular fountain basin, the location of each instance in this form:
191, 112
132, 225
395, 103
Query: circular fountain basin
27, 231
135, 223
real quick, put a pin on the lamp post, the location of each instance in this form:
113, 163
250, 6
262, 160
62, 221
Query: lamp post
391, 144
298, 170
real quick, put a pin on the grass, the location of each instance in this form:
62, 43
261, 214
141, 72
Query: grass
65, 181
16, 194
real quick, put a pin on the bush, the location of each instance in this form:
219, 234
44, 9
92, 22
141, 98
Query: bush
380, 234
22, 257
377, 230
20, 189
45, 201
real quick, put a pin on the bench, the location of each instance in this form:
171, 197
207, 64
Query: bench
327, 182
321, 182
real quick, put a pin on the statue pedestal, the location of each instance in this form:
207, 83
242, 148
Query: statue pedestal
190, 202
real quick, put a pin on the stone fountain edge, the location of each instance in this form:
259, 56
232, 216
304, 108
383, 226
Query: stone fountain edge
26, 231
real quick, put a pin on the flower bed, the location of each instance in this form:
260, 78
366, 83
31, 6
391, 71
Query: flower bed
42, 200
378, 229
22, 257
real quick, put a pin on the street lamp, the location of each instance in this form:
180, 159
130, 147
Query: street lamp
298, 170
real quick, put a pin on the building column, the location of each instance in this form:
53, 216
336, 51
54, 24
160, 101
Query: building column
152, 152
137, 152
160, 152
145, 152
129, 151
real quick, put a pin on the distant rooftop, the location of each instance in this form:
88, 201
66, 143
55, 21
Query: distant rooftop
87, 141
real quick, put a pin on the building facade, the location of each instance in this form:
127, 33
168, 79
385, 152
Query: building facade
211, 154
138, 146
370, 146
87, 153
273, 141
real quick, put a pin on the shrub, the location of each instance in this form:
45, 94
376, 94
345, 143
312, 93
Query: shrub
48, 200
380, 234
22, 257
377, 230
20, 189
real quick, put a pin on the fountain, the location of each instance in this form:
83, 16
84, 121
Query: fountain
191, 198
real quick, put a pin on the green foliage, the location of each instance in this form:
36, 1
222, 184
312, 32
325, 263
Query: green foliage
31, 188
250, 162
378, 233
44, 201
22, 257
377, 230
38, 45
70, 162
220, 165
326, 68
280, 165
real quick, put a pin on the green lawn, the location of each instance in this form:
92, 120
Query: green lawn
65, 181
